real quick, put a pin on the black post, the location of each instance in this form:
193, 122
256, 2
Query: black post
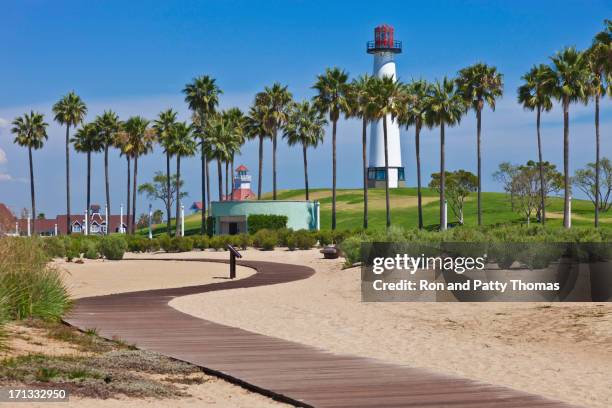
233, 255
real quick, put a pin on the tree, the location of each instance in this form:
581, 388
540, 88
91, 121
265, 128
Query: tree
480, 84
157, 217
218, 138
236, 123
30, 131
525, 186
122, 143
86, 140
305, 127
164, 128
360, 101
202, 96
535, 94
585, 179
445, 107
388, 102
158, 189
570, 86
414, 113
69, 111
505, 175
183, 145
276, 101
255, 128
331, 99
108, 125
140, 138
459, 185
599, 62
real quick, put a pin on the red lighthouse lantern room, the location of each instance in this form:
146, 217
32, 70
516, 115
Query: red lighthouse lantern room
384, 40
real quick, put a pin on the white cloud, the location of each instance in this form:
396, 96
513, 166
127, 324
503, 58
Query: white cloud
5, 177
2, 157
4, 123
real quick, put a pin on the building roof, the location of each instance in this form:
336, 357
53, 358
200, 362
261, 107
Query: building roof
242, 167
197, 205
241, 194
7, 220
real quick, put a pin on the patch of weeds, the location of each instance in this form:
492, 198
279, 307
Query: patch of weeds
45, 374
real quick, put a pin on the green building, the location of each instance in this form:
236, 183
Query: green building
230, 217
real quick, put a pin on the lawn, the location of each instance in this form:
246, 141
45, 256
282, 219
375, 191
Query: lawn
496, 209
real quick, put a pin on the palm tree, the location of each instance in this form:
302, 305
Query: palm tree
331, 99
202, 96
360, 98
414, 112
570, 86
183, 144
122, 142
305, 127
86, 140
236, 122
140, 137
218, 138
534, 94
276, 99
445, 107
255, 127
30, 131
599, 60
164, 128
388, 103
480, 84
108, 125
69, 111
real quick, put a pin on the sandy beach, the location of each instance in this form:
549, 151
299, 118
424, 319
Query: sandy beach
562, 351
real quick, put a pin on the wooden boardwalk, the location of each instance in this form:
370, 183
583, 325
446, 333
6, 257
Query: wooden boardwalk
287, 371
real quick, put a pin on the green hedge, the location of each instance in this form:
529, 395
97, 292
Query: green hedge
258, 222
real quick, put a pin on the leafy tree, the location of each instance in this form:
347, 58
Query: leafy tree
158, 189
69, 111
585, 179
445, 107
202, 96
360, 99
158, 216
30, 131
570, 86
535, 94
414, 113
305, 127
459, 185
480, 84
163, 127
332, 88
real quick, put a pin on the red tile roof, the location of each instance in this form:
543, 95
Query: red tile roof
7, 220
241, 194
242, 167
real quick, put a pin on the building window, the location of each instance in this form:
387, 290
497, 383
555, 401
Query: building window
76, 227
400, 173
95, 228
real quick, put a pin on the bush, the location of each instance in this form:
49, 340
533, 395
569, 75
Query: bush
283, 235
243, 241
200, 242
182, 244
210, 226
113, 247
215, 243
304, 239
90, 250
324, 238
137, 243
268, 243
257, 222
351, 248
54, 247
165, 242
28, 286
263, 235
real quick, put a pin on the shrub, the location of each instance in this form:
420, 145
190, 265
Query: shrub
28, 286
304, 239
113, 247
90, 250
291, 242
257, 222
54, 247
215, 243
210, 226
324, 238
268, 243
182, 244
351, 248
200, 242
263, 235
243, 241
282, 236
137, 243
165, 243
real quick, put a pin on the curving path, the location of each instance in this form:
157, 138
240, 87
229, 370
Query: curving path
284, 370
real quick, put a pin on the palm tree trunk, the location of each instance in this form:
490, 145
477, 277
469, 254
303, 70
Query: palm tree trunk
232, 177
129, 195
68, 178
304, 148
388, 209
168, 210
442, 180
259, 176
208, 194
106, 181
478, 129
33, 198
334, 175
274, 165
203, 181
566, 210
227, 180
88, 188
133, 223
364, 142
178, 195
541, 165
220, 173
417, 143
597, 159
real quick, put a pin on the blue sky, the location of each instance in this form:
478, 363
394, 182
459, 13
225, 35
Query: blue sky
135, 57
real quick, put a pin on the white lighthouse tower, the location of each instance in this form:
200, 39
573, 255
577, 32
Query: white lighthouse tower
384, 47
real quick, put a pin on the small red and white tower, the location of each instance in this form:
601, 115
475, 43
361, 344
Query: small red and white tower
384, 47
242, 185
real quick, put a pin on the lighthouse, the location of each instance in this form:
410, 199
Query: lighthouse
384, 47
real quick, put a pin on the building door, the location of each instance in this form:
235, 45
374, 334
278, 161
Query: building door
233, 228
